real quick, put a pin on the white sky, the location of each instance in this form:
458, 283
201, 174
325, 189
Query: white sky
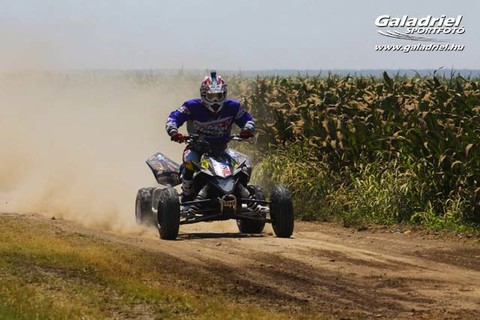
227, 34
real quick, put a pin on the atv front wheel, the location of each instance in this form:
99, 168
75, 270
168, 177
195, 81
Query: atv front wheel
253, 226
143, 207
281, 212
168, 215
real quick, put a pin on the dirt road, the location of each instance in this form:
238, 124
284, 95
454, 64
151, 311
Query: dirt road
324, 269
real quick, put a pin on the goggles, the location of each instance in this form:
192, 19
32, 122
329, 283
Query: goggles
217, 96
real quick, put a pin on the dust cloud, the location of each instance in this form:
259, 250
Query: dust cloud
73, 145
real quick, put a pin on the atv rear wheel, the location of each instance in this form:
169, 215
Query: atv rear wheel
253, 226
168, 215
281, 212
143, 207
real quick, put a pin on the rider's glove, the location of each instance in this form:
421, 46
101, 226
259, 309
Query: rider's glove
245, 134
177, 137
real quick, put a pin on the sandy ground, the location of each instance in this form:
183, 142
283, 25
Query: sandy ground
379, 273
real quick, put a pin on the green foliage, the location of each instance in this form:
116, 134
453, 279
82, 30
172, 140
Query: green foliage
381, 142
308, 181
383, 192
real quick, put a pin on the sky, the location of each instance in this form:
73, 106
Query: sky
227, 34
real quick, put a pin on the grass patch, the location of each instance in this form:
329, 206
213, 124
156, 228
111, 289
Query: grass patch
47, 273
383, 192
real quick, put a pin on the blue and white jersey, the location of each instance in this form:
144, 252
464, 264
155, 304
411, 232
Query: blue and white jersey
215, 129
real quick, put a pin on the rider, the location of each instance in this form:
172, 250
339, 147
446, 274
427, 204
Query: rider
211, 117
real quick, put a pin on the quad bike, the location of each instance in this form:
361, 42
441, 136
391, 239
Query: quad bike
221, 192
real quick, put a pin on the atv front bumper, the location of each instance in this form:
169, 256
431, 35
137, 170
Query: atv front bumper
218, 210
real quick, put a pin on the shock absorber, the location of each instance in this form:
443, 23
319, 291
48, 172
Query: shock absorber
244, 193
202, 195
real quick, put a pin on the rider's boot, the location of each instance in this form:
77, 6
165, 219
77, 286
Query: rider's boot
187, 191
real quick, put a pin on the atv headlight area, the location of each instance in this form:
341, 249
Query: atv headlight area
226, 185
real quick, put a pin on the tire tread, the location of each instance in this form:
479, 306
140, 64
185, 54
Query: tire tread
281, 211
168, 216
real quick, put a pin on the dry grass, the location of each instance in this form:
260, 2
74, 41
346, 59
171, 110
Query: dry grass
47, 273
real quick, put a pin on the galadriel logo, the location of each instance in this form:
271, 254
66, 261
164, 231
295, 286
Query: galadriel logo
423, 26
428, 28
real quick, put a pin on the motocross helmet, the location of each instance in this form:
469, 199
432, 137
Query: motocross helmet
213, 92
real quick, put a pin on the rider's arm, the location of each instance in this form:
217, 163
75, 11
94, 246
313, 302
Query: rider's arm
244, 120
176, 119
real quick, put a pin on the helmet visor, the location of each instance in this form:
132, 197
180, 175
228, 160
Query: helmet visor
217, 96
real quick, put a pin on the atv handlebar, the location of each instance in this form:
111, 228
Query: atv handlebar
196, 138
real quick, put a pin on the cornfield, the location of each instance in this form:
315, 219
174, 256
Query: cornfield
424, 129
